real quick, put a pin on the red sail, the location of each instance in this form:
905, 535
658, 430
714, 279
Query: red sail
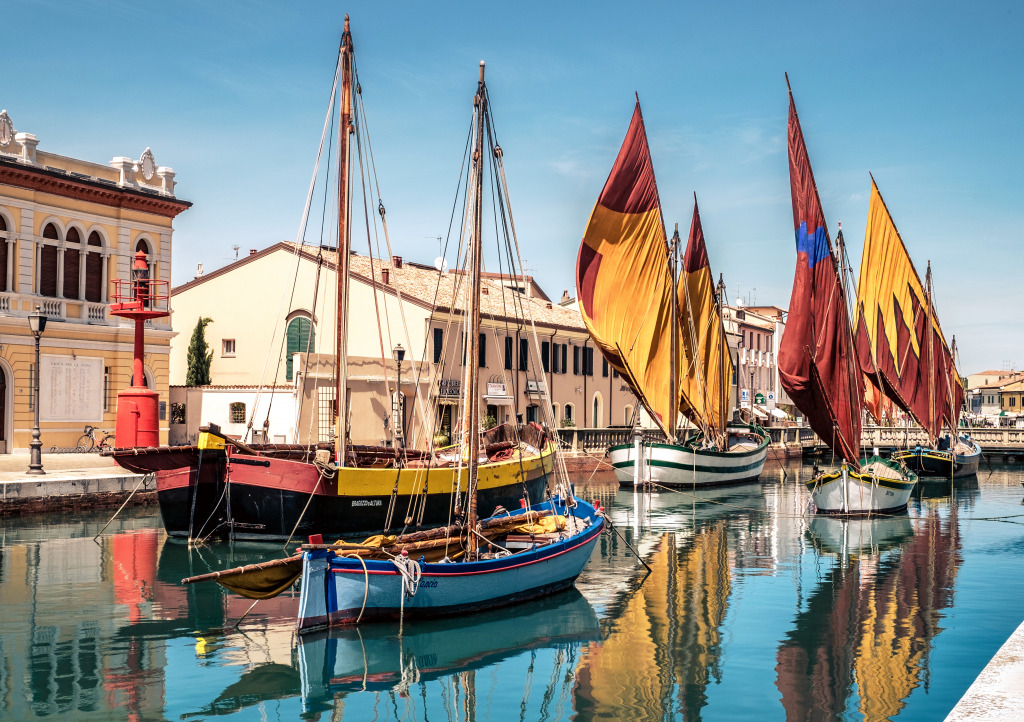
816, 360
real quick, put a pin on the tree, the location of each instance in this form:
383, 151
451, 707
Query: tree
199, 356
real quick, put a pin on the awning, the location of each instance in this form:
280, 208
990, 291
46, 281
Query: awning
779, 414
758, 412
499, 400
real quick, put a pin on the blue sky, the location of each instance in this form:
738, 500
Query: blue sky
232, 95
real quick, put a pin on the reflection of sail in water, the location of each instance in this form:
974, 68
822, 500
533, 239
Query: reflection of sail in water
866, 630
676, 615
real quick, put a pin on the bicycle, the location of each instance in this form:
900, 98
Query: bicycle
87, 441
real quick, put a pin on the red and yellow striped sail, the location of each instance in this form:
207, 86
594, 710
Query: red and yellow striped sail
707, 370
623, 280
891, 316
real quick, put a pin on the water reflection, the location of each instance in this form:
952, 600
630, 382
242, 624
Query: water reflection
863, 635
850, 612
443, 655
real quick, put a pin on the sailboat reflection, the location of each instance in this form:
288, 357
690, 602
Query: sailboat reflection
342, 661
861, 640
859, 536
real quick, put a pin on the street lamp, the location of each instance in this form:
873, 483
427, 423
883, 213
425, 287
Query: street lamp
36, 324
751, 395
400, 415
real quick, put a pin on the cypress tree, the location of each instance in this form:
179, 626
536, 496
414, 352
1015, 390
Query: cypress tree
199, 356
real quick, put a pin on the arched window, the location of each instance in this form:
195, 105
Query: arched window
71, 263
567, 419
597, 420
555, 408
627, 416
94, 290
47, 273
3, 257
299, 334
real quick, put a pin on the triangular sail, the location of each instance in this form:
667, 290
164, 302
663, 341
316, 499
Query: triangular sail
893, 347
707, 364
816, 365
623, 280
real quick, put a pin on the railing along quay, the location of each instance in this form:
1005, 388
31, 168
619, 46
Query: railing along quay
1007, 443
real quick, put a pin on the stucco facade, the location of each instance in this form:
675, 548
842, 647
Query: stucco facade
254, 301
68, 230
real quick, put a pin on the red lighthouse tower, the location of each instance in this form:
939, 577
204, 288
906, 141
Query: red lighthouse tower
140, 299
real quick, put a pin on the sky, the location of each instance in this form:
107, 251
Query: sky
232, 96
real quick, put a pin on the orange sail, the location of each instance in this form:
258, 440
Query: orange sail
897, 351
623, 279
707, 370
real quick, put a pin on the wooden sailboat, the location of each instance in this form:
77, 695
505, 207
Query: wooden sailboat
817, 366
664, 337
478, 570
902, 351
222, 487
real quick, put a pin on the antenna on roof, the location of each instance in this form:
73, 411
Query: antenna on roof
236, 247
441, 264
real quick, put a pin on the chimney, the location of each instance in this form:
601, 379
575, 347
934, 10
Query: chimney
385, 276
252, 251
548, 304
483, 291
397, 261
199, 270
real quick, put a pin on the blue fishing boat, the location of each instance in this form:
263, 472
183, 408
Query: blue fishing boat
339, 587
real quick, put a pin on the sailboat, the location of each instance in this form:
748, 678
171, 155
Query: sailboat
902, 351
817, 366
223, 487
530, 552
664, 336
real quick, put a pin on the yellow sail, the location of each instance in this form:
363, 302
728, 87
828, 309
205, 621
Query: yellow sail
707, 364
623, 279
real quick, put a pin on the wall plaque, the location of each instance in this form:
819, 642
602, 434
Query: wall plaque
71, 389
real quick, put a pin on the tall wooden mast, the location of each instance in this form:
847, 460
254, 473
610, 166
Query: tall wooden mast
933, 439
673, 405
345, 129
472, 404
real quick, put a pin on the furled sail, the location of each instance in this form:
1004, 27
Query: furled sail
707, 364
891, 320
816, 364
623, 280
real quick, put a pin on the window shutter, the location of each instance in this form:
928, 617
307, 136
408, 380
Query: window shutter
545, 353
508, 353
71, 265
48, 271
576, 360
482, 353
298, 336
524, 354
438, 344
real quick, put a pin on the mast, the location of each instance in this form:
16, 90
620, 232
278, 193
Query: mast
472, 404
345, 129
673, 269
722, 350
932, 438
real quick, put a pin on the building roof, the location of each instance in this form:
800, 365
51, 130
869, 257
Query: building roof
428, 287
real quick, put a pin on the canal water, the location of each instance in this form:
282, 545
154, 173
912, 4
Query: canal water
752, 609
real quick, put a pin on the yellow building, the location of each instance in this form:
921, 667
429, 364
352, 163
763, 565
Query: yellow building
68, 230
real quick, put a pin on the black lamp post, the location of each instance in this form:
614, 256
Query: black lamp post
751, 394
400, 420
36, 324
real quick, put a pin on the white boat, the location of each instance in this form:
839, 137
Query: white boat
690, 465
880, 486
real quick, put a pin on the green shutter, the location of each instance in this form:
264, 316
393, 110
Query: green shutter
298, 335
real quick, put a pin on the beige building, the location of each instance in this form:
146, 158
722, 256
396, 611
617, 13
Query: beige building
758, 330
273, 325
68, 230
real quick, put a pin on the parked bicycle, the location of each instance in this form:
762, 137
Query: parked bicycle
94, 439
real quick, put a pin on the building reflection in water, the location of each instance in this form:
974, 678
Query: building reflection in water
861, 639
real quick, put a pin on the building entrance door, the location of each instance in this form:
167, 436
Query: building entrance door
3, 412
